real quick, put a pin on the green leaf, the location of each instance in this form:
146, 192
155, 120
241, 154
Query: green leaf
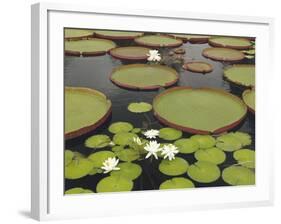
141, 107
245, 157
173, 167
68, 155
128, 155
120, 127
124, 138
176, 183
136, 130
114, 184
213, 155
78, 190
186, 145
97, 141
98, 158
169, 134
238, 175
228, 143
204, 172
204, 141
117, 148
128, 170
77, 168
244, 138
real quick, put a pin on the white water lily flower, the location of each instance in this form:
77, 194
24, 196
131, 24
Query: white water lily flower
152, 148
151, 133
153, 55
110, 164
137, 140
169, 151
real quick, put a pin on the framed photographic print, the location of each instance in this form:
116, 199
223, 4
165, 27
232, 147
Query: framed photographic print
148, 111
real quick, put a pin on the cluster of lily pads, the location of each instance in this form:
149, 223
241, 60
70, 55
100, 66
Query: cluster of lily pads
116, 158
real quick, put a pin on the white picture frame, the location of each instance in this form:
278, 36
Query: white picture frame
48, 200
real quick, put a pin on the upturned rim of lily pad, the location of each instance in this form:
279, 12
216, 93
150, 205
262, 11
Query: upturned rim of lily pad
245, 94
140, 42
148, 87
102, 34
193, 130
117, 53
188, 66
215, 43
207, 52
89, 33
93, 126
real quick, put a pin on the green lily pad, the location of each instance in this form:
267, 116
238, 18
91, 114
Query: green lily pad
128, 155
194, 39
238, 175
244, 138
176, 183
186, 145
213, 155
245, 157
249, 99
158, 41
230, 42
204, 172
124, 138
92, 107
173, 167
114, 184
76, 34
94, 171
223, 54
200, 111
204, 141
144, 76
117, 35
136, 130
78, 190
228, 143
128, 170
98, 158
130, 53
169, 134
68, 155
97, 141
77, 168
241, 74
117, 148
120, 127
141, 107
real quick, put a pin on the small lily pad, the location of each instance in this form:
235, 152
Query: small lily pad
117, 148
245, 157
114, 184
176, 183
141, 107
97, 141
173, 167
128, 155
228, 143
94, 171
204, 141
120, 127
124, 138
213, 155
169, 134
244, 138
238, 175
77, 168
78, 190
204, 172
128, 170
68, 155
98, 158
136, 130
186, 145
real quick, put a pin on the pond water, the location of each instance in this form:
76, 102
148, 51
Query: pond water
94, 72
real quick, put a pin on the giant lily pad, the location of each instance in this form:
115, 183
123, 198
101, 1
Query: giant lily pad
169, 134
173, 167
194, 39
140, 107
204, 172
158, 41
78, 190
200, 111
143, 76
128, 155
98, 158
117, 35
90, 47
128, 170
85, 110
228, 143
245, 157
114, 184
204, 141
130, 53
77, 34
176, 183
77, 168
97, 141
223, 54
230, 42
120, 126
238, 175
198, 66
213, 155
186, 145
241, 74
249, 99
124, 138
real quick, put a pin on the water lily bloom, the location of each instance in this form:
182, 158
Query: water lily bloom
152, 148
169, 151
153, 55
137, 140
151, 133
110, 164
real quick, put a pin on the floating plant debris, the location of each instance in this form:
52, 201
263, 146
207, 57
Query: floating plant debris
198, 66
141, 107
158, 41
175, 167
230, 42
238, 175
143, 76
223, 54
169, 134
92, 106
241, 74
77, 34
176, 183
117, 35
114, 184
120, 127
130, 53
245, 157
128, 170
97, 141
213, 155
186, 145
249, 99
78, 190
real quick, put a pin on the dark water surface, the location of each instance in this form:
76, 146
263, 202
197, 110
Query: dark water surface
94, 72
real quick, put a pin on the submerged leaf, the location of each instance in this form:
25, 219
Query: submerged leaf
176, 183
141, 107
169, 134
